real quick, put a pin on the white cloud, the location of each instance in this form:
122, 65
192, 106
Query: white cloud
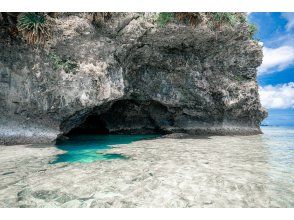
276, 59
279, 96
290, 18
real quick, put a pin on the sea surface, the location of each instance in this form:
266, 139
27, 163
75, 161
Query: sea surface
152, 171
278, 141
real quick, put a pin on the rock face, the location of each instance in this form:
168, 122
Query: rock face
130, 75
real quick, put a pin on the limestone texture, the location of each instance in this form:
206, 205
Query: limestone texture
132, 74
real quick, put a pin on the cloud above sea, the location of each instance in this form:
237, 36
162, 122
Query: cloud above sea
279, 47
276, 59
277, 97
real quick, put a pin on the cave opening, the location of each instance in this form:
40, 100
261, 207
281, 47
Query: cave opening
88, 134
125, 117
93, 124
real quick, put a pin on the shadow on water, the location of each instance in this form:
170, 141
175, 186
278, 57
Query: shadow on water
89, 148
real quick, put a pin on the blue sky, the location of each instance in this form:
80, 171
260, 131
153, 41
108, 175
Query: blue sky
276, 74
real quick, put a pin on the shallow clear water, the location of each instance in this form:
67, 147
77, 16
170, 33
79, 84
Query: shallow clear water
278, 144
212, 171
90, 148
279, 141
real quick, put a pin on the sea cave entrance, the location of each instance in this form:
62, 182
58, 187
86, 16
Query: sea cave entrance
123, 117
86, 134
93, 124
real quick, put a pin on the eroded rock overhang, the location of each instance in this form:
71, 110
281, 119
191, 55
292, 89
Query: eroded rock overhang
137, 76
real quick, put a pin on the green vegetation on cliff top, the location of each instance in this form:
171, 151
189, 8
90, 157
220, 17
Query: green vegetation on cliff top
36, 29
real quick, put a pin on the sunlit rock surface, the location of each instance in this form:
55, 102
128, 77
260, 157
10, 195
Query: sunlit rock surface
172, 78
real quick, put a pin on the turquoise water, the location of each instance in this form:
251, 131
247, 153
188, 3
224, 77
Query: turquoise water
278, 141
220, 171
90, 148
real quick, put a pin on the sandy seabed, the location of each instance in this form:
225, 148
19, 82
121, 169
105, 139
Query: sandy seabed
218, 171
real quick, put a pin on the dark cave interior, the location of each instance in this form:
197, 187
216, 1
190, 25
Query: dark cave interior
125, 117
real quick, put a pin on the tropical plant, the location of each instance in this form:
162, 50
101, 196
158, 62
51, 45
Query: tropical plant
252, 29
221, 18
34, 27
163, 18
242, 17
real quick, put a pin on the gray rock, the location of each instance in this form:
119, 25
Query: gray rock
132, 75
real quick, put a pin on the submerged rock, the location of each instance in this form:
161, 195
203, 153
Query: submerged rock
131, 76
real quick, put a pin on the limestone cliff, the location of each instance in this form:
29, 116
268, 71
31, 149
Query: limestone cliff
131, 75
